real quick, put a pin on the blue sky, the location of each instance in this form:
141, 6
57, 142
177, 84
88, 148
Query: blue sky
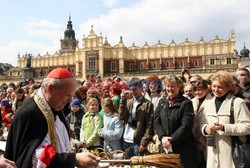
34, 26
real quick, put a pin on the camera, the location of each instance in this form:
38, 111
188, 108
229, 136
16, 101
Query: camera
132, 121
210, 140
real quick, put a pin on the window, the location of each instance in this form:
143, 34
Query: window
154, 65
181, 64
141, 65
92, 63
167, 64
37, 73
211, 61
113, 66
131, 66
196, 63
229, 61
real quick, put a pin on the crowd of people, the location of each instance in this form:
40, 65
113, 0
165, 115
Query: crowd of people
174, 114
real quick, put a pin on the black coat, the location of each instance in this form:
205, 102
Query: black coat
177, 121
27, 131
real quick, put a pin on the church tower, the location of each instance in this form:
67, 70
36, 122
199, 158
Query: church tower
69, 43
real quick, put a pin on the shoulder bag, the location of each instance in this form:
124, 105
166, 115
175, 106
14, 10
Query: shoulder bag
240, 150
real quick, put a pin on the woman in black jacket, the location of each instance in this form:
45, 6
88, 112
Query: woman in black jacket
174, 120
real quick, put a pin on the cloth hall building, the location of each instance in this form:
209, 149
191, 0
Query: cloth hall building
97, 57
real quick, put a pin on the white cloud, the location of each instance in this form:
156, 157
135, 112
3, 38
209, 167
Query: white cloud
32, 22
151, 20
110, 3
10, 52
147, 20
49, 33
43, 28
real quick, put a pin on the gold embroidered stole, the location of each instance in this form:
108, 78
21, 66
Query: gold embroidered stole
48, 114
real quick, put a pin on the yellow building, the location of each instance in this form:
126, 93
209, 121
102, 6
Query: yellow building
97, 57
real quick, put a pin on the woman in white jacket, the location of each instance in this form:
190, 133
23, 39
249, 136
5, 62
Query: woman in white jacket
216, 125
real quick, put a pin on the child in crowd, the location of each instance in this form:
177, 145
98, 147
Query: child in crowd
9, 117
93, 93
91, 124
9, 92
5, 111
115, 91
75, 118
112, 130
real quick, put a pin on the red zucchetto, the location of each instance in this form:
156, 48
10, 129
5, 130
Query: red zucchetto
60, 73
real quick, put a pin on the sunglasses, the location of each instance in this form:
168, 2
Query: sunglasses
192, 82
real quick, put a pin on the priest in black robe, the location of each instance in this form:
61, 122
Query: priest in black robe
39, 134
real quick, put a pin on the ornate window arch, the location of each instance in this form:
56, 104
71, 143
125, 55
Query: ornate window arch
154, 65
131, 66
141, 65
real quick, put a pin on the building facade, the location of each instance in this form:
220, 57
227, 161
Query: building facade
97, 57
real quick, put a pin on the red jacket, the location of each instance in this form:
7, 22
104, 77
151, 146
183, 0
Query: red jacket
6, 111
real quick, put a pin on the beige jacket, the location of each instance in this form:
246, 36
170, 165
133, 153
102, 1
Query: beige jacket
198, 116
221, 155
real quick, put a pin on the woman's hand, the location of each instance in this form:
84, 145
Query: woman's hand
165, 142
210, 129
218, 127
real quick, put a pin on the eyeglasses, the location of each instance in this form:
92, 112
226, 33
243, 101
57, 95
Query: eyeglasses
192, 82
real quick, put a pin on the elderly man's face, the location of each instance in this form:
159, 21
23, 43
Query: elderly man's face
60, 96
188, 90
242, 76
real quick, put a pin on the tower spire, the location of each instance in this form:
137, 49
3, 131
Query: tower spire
69, 42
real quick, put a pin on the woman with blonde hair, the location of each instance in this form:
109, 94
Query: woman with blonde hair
173, 122
216, 124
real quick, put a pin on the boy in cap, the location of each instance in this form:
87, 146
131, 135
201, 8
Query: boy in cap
75, 118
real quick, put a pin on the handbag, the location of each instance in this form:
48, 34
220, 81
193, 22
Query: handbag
153, 146
240, 150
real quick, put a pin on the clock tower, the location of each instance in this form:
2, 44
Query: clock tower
69, 42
